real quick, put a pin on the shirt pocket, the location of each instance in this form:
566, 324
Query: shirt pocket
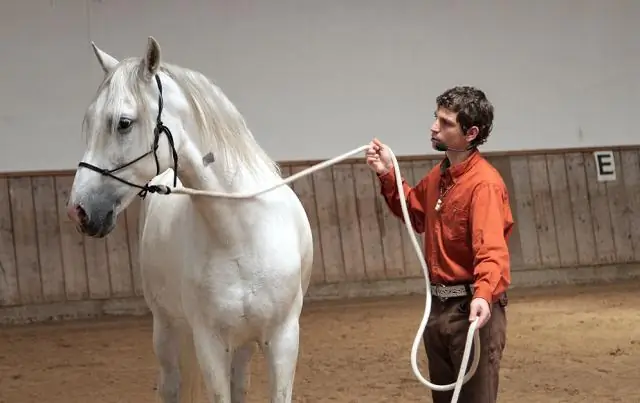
455, 224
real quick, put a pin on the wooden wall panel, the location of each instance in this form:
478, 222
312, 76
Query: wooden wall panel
543, 214
25, 240
630, 170
562, 211
620, 216
348, 223
9, 288
368, 214
581, 207
564, 218
71, 246
600, 214
330, 235
523, 209
48, 238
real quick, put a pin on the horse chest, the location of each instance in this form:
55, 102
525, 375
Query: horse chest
240, 292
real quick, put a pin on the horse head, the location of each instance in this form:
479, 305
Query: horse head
128, 139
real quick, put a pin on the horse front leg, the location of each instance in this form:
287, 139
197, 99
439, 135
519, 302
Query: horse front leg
239, 372
166, 345
214, 358
281, 352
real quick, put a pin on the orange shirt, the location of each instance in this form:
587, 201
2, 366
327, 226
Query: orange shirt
466, 240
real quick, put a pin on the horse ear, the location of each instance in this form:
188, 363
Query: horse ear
107, 62
152, 58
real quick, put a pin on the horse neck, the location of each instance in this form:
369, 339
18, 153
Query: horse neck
226, 174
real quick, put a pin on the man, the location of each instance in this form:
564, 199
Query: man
462, 207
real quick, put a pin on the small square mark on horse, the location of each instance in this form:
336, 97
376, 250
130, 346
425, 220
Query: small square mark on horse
208, 159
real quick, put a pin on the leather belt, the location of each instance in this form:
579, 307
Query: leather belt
444, 292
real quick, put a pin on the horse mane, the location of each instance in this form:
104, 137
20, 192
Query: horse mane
221, 127
220, 124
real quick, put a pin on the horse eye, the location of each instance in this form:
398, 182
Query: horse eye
124, 125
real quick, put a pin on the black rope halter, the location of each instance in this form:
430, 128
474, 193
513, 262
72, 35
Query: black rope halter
159, 129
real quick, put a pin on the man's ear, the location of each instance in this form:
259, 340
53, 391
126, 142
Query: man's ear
471, 134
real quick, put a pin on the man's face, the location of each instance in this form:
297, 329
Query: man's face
446, 130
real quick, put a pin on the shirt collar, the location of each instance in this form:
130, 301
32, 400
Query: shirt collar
453, 172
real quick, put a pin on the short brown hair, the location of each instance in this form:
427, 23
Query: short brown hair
472, 108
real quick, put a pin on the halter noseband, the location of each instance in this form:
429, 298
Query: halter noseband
159, 129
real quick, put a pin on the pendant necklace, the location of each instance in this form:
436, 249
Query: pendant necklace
438, 204
443, 193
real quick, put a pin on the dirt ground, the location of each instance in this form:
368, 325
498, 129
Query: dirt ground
581, 345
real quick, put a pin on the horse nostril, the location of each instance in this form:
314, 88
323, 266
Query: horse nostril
109, 216
77, 214
81, 214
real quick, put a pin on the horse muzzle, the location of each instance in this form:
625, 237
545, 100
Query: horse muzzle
97, 222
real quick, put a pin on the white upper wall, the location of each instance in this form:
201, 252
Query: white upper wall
315, 79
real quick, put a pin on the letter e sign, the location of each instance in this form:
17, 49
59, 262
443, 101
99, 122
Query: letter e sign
605, 166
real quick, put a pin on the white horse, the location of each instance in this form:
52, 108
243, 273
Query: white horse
220, 276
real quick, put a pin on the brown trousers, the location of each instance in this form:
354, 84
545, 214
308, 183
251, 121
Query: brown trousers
445, 338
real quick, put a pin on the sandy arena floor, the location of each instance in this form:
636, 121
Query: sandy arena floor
583, 345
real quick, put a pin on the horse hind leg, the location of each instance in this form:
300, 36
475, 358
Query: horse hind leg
240, 375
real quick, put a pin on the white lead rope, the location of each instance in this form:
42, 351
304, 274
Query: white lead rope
472, 335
